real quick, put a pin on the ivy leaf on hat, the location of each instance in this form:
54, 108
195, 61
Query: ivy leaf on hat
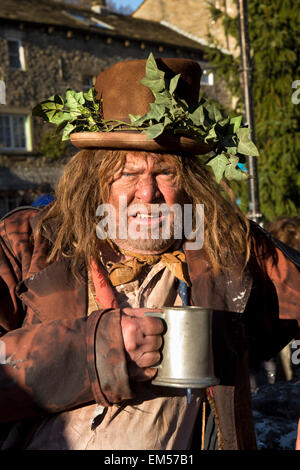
245, 144
174, 83
51, 110
154, 78
154, 131
218, 165
233, 172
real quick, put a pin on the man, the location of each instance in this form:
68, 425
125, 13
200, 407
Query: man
78, 352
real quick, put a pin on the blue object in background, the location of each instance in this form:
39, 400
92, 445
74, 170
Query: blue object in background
43, 200
242, 166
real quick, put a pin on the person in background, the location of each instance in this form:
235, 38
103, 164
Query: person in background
27, 197
287, 230
45, 195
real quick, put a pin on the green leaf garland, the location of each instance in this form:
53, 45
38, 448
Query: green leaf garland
168, 114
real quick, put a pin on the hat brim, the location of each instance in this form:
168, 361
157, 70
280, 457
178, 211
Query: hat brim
138, 141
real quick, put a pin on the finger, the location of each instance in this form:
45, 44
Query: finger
145, 374
141, 375
152, 343
148, 346
151, 326
148, 359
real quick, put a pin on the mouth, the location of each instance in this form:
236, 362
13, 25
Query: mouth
145, 218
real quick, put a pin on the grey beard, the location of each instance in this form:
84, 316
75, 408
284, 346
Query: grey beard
158, 244
155, 246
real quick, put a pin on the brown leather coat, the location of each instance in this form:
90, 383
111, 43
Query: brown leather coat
57, 358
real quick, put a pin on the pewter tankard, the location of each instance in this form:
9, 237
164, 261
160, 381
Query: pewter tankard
187, 360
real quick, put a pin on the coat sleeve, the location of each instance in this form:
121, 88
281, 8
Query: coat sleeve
50, 366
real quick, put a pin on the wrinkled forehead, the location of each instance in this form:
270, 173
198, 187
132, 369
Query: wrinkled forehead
150, 161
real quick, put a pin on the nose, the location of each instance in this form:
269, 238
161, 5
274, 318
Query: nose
148, 191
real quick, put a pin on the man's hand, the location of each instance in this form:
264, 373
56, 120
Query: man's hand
142, 340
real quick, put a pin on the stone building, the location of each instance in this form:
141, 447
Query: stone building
192, 18
47, 47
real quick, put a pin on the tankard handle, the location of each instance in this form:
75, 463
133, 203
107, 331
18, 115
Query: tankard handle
160, 315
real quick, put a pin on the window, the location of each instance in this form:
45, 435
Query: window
15, 54
14, 132
207, 77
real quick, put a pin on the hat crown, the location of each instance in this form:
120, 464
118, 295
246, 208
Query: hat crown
122, 93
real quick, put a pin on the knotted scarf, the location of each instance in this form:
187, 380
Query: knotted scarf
129, 270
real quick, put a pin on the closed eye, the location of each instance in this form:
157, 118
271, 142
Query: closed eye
129, 173
166, 174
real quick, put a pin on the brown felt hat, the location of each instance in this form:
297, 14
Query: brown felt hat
122, 94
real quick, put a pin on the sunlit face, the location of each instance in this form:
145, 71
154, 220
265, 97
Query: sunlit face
146, 181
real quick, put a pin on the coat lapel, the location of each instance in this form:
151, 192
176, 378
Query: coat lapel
227, 291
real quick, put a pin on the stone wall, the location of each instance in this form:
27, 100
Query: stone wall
192, 16
20, 178
219, 92
28, 172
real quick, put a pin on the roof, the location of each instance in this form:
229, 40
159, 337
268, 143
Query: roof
106, 23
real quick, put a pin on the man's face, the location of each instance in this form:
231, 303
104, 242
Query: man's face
146, 181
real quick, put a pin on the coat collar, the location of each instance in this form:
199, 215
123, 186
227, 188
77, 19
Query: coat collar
48, 231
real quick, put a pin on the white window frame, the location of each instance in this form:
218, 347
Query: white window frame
21, 53
206, 72
209, 81
27, 133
